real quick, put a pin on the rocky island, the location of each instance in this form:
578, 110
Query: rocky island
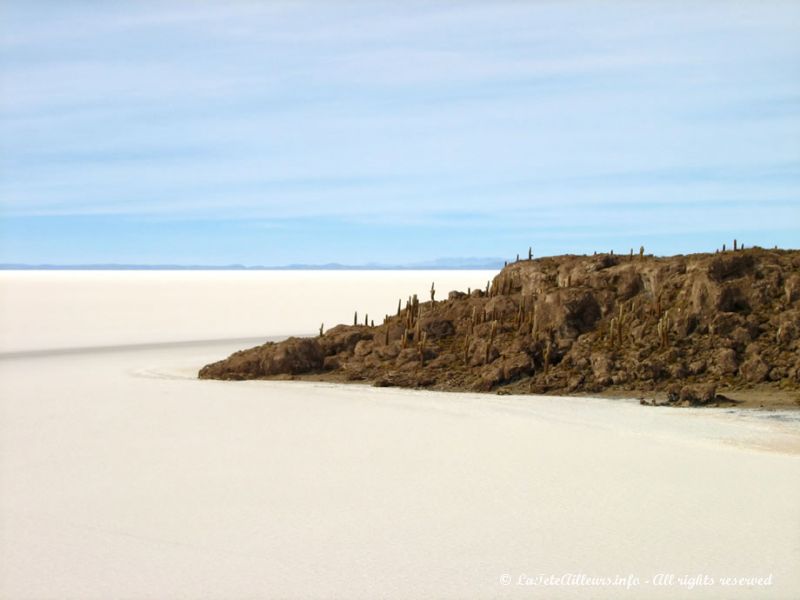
700, 329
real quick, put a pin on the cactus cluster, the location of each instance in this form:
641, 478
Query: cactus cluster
525, 321
736, 247
615, 327
413, 311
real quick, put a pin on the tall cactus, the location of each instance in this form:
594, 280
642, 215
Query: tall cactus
421, 348
663, 329
492, 333
548, 349
616, 327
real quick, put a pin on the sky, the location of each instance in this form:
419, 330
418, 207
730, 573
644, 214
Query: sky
269, 133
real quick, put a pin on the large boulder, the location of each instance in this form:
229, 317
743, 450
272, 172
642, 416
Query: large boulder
732, 298
292, 356
754, 369
601, 367
437, 328
698, 395
569, 312
730, 265
289, 357
627, 282
724, 362
343, 338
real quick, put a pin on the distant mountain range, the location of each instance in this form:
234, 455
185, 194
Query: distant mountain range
457, 263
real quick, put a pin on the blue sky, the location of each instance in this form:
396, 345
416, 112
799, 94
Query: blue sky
354, 132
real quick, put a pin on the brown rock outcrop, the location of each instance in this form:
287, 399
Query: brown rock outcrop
290, 357
574, 324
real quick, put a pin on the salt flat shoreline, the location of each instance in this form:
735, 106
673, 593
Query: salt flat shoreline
766, 398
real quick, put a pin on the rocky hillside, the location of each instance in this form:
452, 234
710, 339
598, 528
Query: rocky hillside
683, 325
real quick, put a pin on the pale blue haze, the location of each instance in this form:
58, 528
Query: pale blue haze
355, 132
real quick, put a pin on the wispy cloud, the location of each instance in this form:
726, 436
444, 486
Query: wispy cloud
468, 117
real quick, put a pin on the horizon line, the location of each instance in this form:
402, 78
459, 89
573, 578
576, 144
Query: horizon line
441, 264
491, 263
